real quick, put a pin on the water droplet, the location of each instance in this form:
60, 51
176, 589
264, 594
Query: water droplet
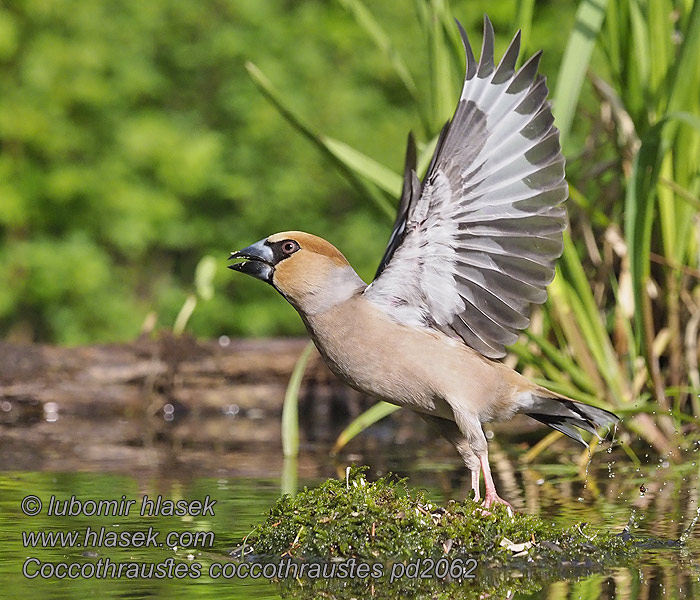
51, 412
232, 410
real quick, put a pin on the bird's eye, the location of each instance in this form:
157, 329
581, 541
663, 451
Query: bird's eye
289, 247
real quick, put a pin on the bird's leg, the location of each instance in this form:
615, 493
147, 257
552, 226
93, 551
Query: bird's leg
475, 483
490, 495
449, 430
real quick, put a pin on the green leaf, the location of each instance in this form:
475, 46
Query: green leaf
290, 409
443, 91
276, 99
686, 73
589, 19
639, 212
522, 19
204, 277
376, 32
359, 424
360, 163
563, 362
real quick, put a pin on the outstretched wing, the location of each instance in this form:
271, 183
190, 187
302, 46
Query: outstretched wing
474, 244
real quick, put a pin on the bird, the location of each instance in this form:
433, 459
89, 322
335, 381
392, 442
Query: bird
473, 247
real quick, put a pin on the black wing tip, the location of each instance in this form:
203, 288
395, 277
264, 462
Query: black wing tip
471, 64
506, 68
515, 42
438, 148
485, 66
411, 152
527, 76
486, 60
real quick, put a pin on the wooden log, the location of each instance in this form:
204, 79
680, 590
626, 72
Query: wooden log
145, 404
176, 376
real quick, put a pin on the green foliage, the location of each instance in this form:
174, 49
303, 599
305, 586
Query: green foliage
133, 143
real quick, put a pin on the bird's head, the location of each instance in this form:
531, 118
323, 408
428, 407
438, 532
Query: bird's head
311, 273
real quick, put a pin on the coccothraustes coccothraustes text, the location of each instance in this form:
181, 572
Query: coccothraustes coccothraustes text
473, 246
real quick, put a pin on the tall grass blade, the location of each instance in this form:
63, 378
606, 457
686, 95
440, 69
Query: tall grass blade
575, 339
441, 83
660, 28
360, 163
183, 316
425, 154
522, 19
589, 19
376, 32
590, 320
290, 409
639, 212
368, 190
640, 48
563, 363
686, 71
289, 482
362, 422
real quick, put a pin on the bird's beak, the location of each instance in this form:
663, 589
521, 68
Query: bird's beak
257, 261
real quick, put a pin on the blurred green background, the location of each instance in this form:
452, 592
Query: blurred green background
133, 143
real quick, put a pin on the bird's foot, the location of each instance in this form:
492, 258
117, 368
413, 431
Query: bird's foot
493, 498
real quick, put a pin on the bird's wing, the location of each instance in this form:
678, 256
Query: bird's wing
474, 244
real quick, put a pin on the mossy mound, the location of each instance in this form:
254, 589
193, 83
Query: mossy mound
384, 521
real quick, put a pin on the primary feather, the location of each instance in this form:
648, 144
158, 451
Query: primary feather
474, 244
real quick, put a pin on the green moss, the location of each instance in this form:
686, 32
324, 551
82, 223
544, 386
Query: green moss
403, 536
385, 521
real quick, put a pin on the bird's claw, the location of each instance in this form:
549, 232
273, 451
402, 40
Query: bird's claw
494, 498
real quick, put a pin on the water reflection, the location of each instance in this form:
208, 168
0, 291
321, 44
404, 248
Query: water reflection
231, 458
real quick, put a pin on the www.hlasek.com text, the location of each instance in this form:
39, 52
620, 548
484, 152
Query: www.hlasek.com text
107, 537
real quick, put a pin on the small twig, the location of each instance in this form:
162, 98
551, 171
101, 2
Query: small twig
662, 260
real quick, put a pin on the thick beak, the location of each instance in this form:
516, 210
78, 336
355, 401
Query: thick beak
258, 261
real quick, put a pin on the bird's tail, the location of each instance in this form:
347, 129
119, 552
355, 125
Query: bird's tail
566, 416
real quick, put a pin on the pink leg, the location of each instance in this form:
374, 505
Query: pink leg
490, 496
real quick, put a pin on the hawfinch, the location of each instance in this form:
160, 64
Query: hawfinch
473, 246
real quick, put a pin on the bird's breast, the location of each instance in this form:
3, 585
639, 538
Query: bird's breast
408, 366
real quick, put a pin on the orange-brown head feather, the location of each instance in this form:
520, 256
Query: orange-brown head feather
316, 276
308, 271
312, 243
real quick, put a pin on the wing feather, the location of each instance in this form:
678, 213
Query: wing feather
475, 243
407, 192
